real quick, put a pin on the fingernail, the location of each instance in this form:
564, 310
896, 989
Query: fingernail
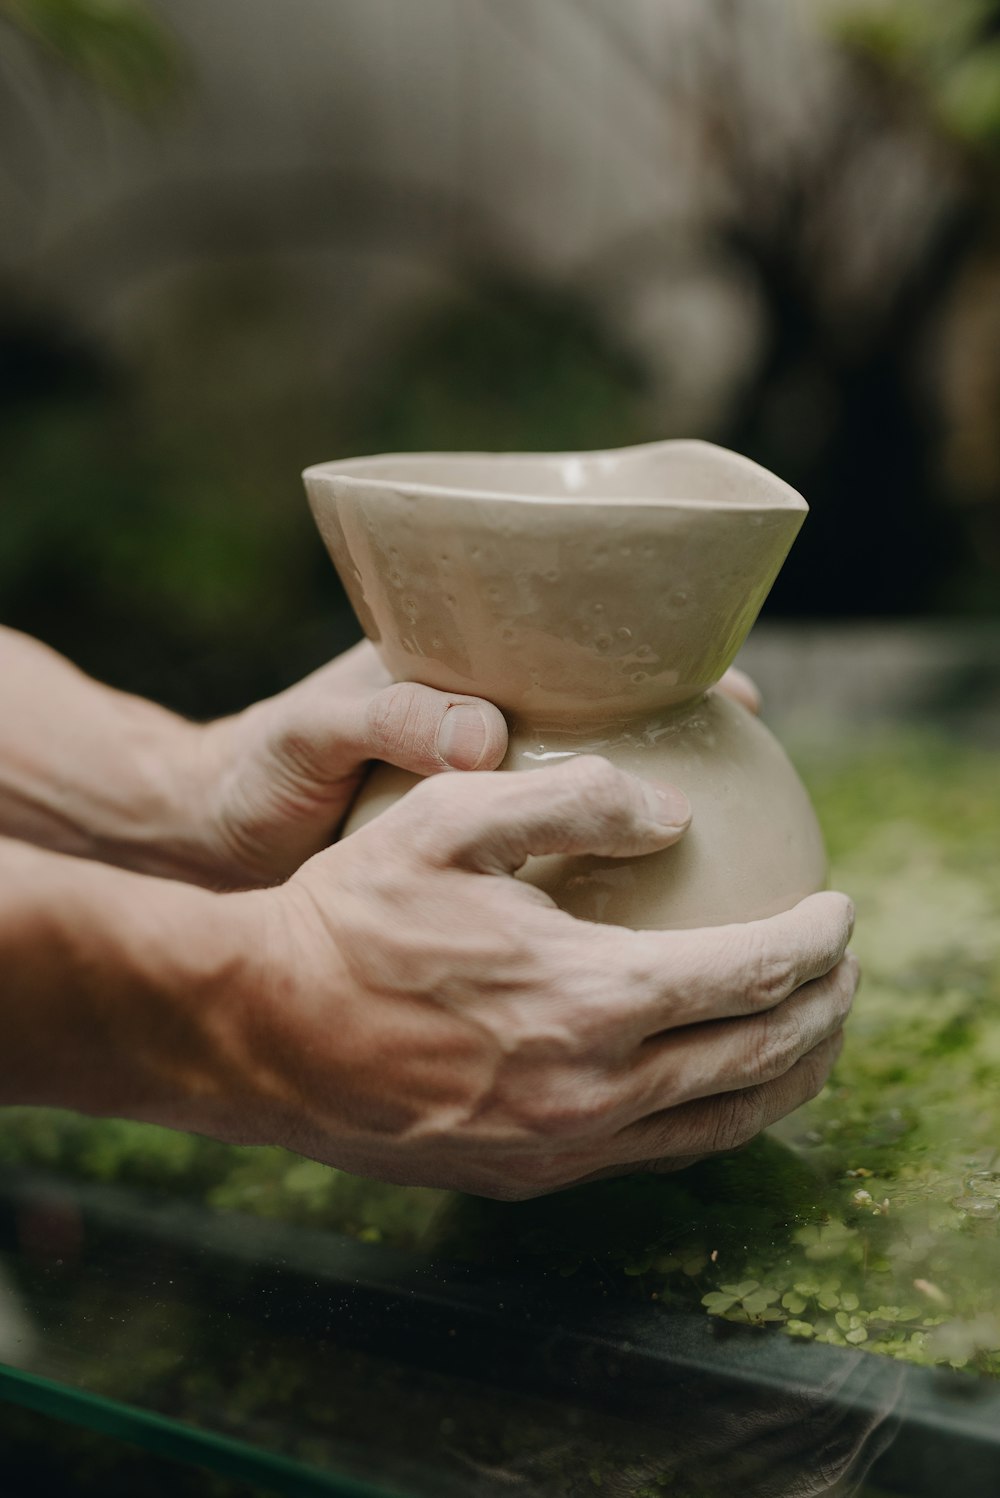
462, 737
668, 805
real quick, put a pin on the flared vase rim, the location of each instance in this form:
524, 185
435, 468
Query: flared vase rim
774, 494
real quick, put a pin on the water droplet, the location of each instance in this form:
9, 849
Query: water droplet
598, 608
602, 642
624, 633
638, 676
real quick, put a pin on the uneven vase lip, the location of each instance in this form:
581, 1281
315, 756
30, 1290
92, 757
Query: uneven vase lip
570, 472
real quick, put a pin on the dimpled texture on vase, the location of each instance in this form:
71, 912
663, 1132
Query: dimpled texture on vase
596, 599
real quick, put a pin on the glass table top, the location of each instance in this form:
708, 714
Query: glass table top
817, 1311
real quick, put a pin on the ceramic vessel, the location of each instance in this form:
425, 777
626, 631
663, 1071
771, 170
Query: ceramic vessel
596, 598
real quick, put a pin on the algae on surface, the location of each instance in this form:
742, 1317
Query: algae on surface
871, 1218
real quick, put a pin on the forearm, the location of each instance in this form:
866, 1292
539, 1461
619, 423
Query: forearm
91, 771
118, 993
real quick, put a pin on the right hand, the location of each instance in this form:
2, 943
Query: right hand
423, 1017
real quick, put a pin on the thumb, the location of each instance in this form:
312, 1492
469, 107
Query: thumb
412, 727
493, 823
417, 728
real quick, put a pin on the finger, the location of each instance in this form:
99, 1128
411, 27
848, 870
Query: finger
728, 1121
422, 730
721, 972
343, 715
584, 805
738, 686
702, 1061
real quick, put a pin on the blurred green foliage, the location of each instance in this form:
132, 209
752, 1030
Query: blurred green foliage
948, 53
515, 366
117, 45
160, 534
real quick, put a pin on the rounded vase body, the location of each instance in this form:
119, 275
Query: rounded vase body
596, 599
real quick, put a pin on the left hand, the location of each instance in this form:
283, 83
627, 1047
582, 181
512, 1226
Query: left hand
234, 804
278, 779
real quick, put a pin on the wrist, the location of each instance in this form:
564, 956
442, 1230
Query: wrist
123, 994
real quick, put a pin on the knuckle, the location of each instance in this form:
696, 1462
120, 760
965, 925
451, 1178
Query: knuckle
847, 987
775, 1047
603, 796
398, 719
737, 1118
596, 782
769, 972
816, 1068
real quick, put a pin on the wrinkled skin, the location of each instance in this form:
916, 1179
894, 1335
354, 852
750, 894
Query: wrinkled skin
276, 781
401, 1005
424, 1017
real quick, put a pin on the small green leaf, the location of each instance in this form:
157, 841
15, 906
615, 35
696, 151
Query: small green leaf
717, 1303
759, 1301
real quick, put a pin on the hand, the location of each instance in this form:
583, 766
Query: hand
421, 1016
276, 781
738, 686
237, 803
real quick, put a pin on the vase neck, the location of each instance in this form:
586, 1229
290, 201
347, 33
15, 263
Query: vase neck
594, 733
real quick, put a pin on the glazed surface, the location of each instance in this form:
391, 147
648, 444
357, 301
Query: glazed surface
595, 598
754, 846
574, 613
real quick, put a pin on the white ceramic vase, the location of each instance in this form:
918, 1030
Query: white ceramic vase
596, 598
